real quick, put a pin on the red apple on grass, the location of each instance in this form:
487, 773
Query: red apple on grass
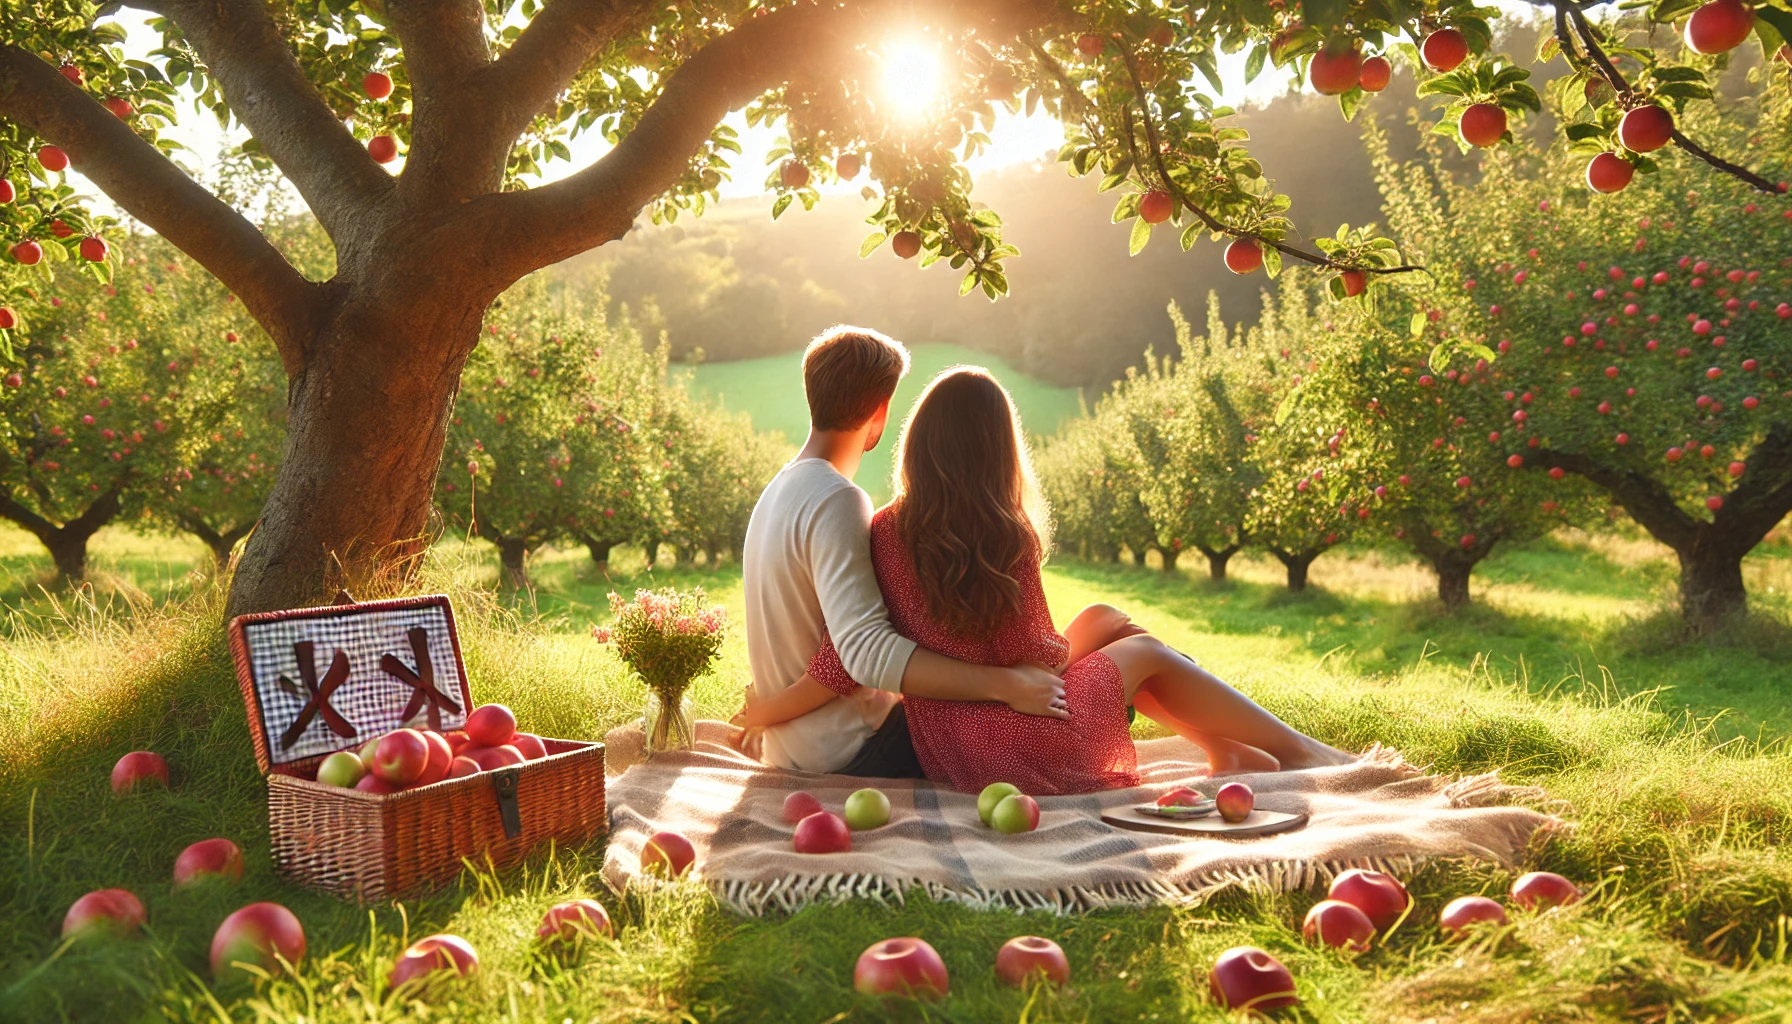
573, 920
1466, 912
1482, 124
1719, 26
106, 911
800, 805
1243, 255
1376, 74
207, 859
1022, 957
490, 725
1247, 978
1337, 68
530, 745
1540, 890
429, 957
1646, 129
867, 809
1339, 925
257, 934
822, 832
669, 854
901, 967
401, 756
343, 768
1016, 813
1381, 897
1444, 49
136, 767
1234, 801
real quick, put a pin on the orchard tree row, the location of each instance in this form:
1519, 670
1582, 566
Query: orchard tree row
1565, 355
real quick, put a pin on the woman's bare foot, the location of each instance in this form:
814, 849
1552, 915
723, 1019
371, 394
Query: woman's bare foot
1226, 757
1318, 755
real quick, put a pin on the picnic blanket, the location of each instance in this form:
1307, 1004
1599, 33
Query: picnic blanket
1378, 812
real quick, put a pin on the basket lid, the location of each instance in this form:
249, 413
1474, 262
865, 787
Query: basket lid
318, 680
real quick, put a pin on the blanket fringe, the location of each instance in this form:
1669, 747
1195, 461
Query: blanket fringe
791, 894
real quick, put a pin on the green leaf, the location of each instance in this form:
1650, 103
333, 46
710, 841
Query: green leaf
1253, 62
1189, 234
971, 281
1417, 326
1663, 11
1141, 233
871, 242
1350, 102
1439, 360
1285, 407
782, 204
1685, 90
1272, 262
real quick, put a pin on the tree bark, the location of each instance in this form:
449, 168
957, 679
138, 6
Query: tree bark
1452, 582
1297, 563
712, 555
513, 554
600, 551
1217, 559
1169, 555
67, 543
1138, 557
220, 544
652, 548
1453, 563
1711, 590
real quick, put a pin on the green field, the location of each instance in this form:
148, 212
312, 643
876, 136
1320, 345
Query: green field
1681, 823
770, 389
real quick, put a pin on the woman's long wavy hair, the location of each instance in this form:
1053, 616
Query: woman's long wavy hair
967, 505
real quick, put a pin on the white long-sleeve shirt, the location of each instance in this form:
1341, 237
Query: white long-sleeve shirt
807, 569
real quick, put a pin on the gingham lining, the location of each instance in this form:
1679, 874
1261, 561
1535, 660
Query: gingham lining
372, 701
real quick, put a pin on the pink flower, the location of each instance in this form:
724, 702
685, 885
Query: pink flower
601, 634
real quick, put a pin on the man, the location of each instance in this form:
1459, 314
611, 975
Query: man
808, 572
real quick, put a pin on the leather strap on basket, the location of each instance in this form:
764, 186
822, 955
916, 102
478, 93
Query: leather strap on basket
504, 787
423, 681
317, 693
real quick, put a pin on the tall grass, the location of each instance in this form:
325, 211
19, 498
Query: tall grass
1679, 833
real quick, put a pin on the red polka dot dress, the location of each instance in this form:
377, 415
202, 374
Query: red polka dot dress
968, 745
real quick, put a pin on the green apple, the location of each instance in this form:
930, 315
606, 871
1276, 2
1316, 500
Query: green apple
1016, 813
991, 796
867, 808
366, 752
343, 768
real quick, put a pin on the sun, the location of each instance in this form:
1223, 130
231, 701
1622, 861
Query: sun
911, 78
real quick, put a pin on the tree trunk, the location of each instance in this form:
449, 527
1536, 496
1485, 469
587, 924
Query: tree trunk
1711, 591
1217, 559
1169, 556
221, 544
600, 551
1138, 557
1452, 581
713, 556
1297, 563
368, 414
514, 555
67, 543
651, 546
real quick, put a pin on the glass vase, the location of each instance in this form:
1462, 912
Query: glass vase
667, 722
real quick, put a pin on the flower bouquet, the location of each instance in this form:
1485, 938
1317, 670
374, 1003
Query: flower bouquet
669, 638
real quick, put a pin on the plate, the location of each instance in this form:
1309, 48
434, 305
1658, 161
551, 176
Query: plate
1260, 822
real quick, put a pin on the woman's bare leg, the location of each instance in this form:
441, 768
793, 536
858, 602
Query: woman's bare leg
1195, 703
1224, 756
1096, 627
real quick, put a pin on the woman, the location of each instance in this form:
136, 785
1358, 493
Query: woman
957, 553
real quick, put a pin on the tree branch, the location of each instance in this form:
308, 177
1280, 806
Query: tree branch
267, 90
1759, 502
444, 49
151, 188
1647, 501
546, 57
1570, 12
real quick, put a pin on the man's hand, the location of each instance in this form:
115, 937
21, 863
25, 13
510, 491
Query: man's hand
1035, 690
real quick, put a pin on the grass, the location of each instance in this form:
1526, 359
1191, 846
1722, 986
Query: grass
1681, 824
771, 390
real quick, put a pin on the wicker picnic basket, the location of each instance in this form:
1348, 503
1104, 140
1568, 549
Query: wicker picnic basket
318, 680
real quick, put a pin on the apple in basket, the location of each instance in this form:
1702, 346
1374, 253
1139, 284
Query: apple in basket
431, 957
458, 739
867, 809
901, 967
1247, 978
1338, 925
441, 758
1181, 796
667, 853
401, 756
1234, 801
1466, 912
104, 912
490, 725
1016, 813
461, 767
207, 859
800, 805
573, 920
993, 794
367, 749
1540, 890
493, 758
822, 832
371, 783
343, 768
254, 935
1381, 897
1026, 955
138, 766
530, 745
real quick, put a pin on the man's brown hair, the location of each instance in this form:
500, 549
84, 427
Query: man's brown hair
847, 373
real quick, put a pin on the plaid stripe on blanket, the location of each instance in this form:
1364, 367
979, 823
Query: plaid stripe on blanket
1377, 812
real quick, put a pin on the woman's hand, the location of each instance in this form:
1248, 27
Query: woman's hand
1034, 689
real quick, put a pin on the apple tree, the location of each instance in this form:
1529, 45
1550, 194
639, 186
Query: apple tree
716, 467
1644, 338
476, 96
